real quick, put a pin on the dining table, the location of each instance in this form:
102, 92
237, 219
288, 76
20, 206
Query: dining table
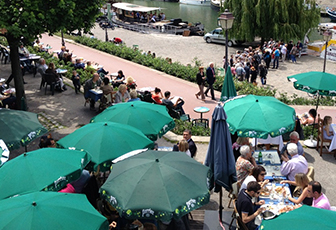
270, 140
271, 162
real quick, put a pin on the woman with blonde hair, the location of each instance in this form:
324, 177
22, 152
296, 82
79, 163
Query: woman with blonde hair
130, 83
183, 146
302, 181
328, 133
122, 95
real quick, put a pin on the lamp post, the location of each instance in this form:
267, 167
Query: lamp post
326, 36
225, 21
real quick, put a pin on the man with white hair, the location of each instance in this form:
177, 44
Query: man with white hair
291, 167
294, 137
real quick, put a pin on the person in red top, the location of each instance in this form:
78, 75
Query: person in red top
157, 96
117, 40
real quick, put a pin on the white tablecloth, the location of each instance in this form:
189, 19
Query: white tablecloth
333, 141
270, 140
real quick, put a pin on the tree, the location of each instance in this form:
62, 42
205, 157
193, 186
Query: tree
279, 19
26, 20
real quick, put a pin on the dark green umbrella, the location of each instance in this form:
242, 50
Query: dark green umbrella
305, 217
258, 116
19, 128
319, 83
157, 185
151, 119
50, 210
43, 169
105, 141
228, 89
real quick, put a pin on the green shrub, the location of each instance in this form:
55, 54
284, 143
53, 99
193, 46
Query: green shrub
180, 126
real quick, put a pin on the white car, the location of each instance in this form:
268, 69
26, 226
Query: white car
218, 36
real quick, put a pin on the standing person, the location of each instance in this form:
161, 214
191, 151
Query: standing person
276, 58
267, 59
200, 79
293, 53
240, 72
211, 78
319, 199
76, 81
254, 74
191, 143
299, 46
183, 146
247, 71
263, 74
284, 52
289, 48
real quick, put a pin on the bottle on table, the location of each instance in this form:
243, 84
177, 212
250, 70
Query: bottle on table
260, 158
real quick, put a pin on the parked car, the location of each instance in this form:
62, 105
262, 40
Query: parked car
217, 36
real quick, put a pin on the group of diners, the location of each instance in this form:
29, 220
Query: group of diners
294, 167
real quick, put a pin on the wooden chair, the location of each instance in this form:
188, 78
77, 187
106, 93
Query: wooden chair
233, 194
321, 142
237, 217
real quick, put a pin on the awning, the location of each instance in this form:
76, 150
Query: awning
133, 7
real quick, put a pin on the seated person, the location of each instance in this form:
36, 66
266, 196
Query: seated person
122, 95
61, 54
27, 64
92, 83
118, 80
246, 208
76, 81
157, 96
301, 181
328, 133
183, 146
257, 174
79, 64
293, 138
245, 163
7, 101
107, 88
297, 164
51, 70
67, 58
236, 146
310, 118
130, 83
178, 104
319, 199
134, 96
42, 65
38, 47
89, 68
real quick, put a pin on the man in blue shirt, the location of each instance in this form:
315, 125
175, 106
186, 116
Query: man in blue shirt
276, 58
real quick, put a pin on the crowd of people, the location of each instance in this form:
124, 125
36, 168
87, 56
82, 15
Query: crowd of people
294, 167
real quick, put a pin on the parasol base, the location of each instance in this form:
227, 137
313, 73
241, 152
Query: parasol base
310, 143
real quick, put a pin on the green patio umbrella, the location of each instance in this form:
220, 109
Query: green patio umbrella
20, 128
50, 210
4, 152
258, 116
157, 185
151, 119
305, 217
228, 89
105, 141
43, 169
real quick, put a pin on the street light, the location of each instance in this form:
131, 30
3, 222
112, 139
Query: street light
225, 21
326, 35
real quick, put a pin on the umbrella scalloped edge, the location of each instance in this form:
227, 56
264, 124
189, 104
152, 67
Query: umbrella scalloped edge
27, 139
148, 213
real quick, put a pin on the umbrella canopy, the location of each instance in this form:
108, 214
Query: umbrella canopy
320, 83
153, 120
105, 141
228, 89
21, 128
50, 210
157, 185
43, 169
220, 156
258, 116
305, 217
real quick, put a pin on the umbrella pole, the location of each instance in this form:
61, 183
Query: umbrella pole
220, 204
318, 99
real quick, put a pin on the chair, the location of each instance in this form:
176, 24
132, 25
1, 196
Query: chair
310, 173
200, 122
233, 194
40, 71
49, 79
236, 216
321, 142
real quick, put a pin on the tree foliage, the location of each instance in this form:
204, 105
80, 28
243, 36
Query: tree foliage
279, 19
25, 20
